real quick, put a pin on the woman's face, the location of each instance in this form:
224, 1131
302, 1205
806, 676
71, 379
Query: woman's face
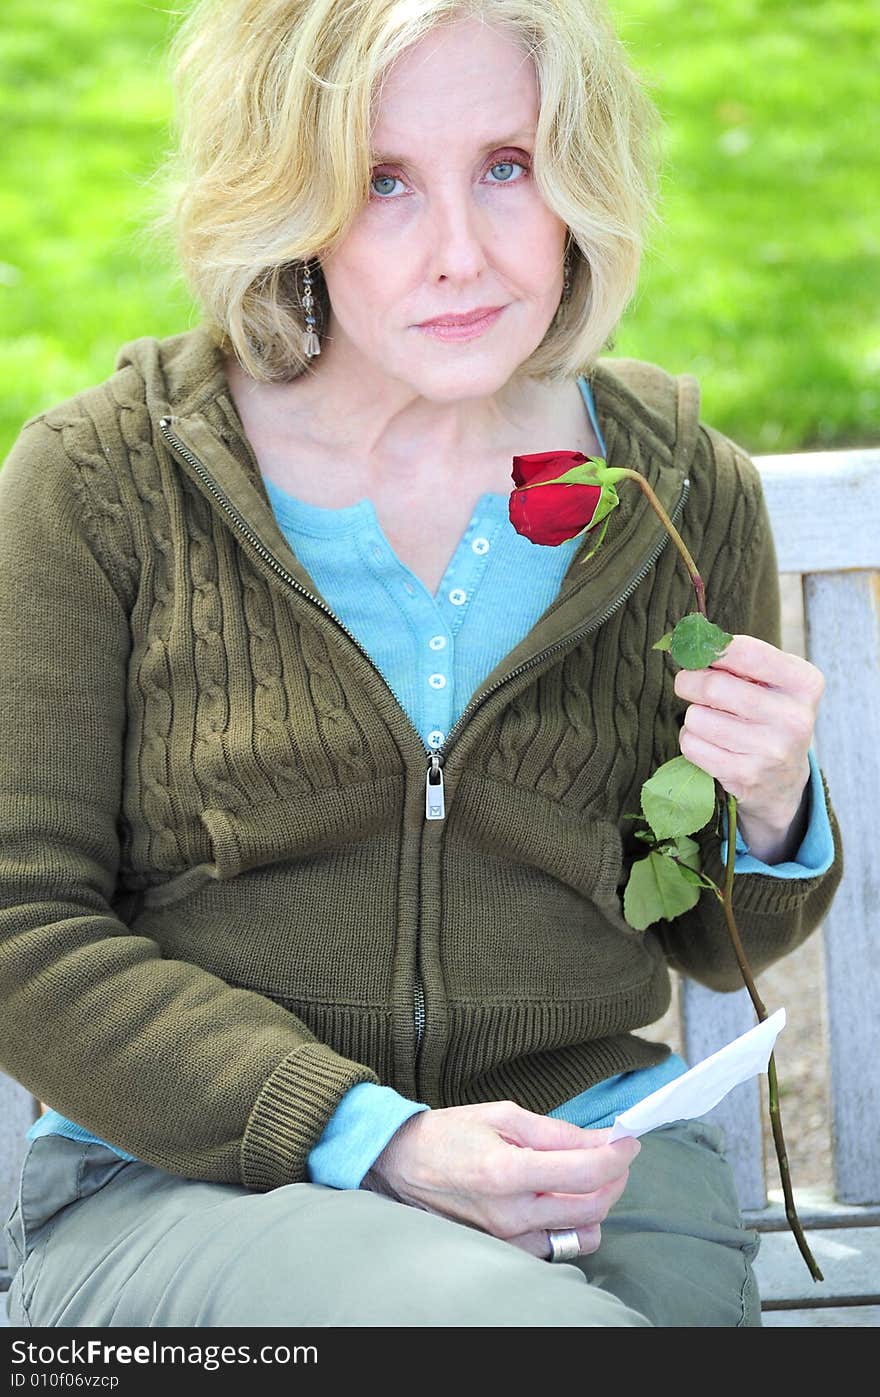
454, 222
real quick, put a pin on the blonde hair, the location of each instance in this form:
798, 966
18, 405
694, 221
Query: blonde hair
272, 163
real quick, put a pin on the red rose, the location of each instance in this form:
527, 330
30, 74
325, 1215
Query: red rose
570, 500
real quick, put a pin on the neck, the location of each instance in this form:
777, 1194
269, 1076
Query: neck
381, 416
378, 428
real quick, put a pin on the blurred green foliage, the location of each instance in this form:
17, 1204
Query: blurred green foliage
763, 280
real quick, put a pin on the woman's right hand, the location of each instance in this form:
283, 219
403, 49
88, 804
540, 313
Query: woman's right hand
507, 1171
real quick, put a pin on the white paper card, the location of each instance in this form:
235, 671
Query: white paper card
701, 1088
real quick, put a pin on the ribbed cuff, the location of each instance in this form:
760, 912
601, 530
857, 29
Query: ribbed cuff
291, 1112
755, 891
816, 853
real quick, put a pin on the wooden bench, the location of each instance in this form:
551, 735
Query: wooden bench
825, 510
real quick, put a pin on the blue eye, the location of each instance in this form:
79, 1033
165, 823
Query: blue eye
391, 180
383, 179
507, 165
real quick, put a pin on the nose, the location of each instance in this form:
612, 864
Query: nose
460, 238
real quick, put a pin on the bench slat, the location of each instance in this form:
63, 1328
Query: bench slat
824, 508
709, 1020
848, 746
18, 1111
848, 1257
835, 1317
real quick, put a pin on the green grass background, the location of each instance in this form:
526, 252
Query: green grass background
764, 279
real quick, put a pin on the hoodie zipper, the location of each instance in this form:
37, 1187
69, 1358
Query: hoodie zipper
435, 795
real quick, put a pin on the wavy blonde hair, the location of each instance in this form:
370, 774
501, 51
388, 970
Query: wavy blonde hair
272, 161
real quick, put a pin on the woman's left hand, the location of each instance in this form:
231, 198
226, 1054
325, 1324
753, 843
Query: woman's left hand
749, 723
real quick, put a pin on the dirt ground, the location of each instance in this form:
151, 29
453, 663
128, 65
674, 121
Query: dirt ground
796, 983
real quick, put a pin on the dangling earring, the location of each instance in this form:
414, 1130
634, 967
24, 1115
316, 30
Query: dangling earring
566, 275
310, 342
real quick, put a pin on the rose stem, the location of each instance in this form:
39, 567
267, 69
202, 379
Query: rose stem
745, 969
624, 473
773, 1086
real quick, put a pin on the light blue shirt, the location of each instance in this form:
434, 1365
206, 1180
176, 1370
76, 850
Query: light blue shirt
434, 651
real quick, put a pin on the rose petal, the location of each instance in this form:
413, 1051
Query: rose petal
551, 514
545, 465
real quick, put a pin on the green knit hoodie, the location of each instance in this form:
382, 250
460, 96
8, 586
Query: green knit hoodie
221, 902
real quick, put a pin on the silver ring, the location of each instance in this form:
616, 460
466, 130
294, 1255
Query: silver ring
564, 1246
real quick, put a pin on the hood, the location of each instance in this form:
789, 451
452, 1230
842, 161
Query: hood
180, 373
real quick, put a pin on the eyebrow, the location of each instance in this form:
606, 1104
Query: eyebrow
380, 157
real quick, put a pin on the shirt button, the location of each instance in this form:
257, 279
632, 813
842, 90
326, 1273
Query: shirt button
437, 642
408, 587
377, 554
458, 596
437, 681
480, 545
436, 738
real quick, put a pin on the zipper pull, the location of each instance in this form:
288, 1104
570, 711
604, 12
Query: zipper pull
435, 801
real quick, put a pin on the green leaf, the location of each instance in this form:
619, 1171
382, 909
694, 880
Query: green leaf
687, 851
686, 854
664, 642
678, 799
690, 876
656, 889
696, 642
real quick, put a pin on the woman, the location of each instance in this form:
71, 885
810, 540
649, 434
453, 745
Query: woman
316, 774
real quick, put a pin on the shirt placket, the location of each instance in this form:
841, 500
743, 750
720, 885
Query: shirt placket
453, 602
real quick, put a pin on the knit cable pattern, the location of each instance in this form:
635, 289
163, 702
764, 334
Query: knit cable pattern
273, 730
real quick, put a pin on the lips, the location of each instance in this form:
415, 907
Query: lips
466, 318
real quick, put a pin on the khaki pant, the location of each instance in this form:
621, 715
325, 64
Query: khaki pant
98, 1241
